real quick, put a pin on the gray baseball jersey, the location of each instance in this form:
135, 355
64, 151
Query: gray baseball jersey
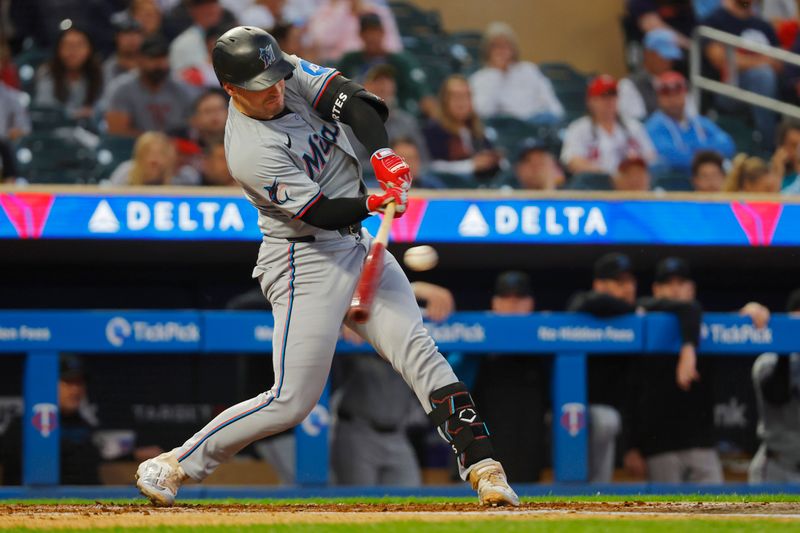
778, 425
284, 165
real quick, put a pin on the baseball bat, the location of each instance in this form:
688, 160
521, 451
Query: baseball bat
361, 304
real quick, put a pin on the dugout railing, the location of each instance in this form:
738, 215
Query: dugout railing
568, 338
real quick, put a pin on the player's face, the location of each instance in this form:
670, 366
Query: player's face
74, 50
260, 105
709, 178
672, 102
623, 287
512, 305
70, 395
459, 100
603, 108
675, 288
211, 114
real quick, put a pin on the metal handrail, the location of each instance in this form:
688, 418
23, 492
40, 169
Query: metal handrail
731, 42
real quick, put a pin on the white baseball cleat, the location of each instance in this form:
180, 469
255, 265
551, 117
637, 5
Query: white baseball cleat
159, 479
489, 479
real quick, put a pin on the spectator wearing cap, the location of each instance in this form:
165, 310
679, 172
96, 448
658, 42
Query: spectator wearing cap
148, 99
506, 86
335, 28
73, 78
381, 81
413, 92
456, 139
600, 141
264, 14
708, 172
537, 170
756, 73
504, 380
128, 41
678, 136
637, 92
155, 162
14, 119
189, 49
752, 175
632, 176
776, 379
677, 16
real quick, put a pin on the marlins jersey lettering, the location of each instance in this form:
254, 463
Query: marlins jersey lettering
284, 165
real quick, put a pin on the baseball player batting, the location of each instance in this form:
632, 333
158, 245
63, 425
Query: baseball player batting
285, 146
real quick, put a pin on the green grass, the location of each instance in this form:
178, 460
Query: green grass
549, 526
721, 498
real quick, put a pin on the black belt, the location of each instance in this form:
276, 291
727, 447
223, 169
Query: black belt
347, 417
354, 230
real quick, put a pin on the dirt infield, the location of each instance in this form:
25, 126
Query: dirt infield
137, 515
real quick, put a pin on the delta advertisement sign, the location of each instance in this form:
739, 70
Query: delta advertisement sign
556, 221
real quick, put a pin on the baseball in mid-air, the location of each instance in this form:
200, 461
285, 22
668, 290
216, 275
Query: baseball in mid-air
421, 258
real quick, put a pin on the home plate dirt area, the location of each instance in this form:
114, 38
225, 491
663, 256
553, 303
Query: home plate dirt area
103, 515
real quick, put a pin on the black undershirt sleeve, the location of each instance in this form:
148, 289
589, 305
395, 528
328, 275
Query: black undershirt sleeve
599, 304
689, 314
335, 213
366, 123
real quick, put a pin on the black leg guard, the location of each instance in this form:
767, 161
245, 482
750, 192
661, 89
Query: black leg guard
454, 413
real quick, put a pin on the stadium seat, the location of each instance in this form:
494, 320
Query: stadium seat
411, 20
590, 181
570, 87
745, 136
508, 132
54, 157
673, 183
112, 151
456, 181
465, 47
27, 62
48, 118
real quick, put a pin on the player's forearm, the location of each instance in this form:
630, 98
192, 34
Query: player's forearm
335, 213
366, 124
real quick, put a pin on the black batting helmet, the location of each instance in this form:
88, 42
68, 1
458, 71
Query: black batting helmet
249, 58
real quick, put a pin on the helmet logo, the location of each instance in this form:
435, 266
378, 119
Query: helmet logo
267, 55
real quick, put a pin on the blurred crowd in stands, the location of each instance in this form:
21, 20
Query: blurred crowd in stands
122, 92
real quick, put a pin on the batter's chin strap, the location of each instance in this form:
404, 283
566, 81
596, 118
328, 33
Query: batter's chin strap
455, 414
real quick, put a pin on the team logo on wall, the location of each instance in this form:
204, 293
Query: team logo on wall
45, 418
316, 421
117, 330
573, 417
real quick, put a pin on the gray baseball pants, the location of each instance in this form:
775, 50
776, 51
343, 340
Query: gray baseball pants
310, 286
